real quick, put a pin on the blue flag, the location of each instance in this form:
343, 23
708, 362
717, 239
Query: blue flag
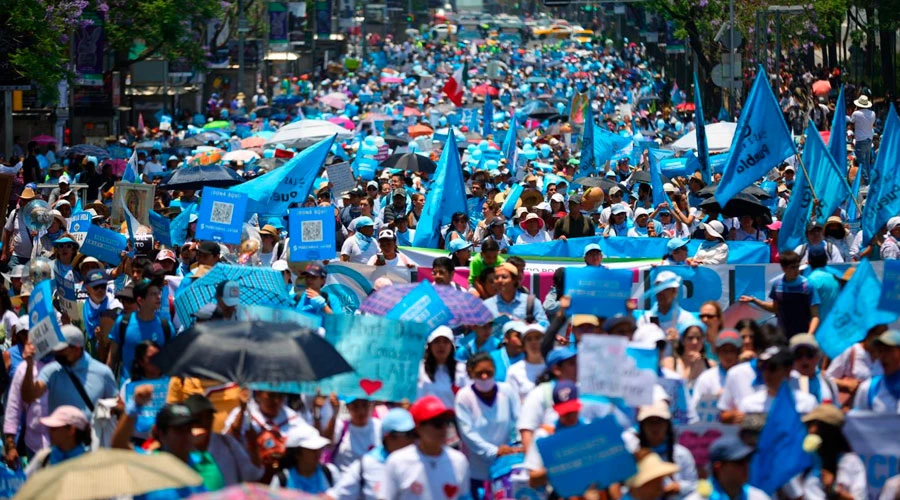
656, 182
587, 161
837, 141
510, 152
829, 184
509, 204
447, 196
608, 144
762, 141
179, 225
883, 201
131, 169
702, 146
854, 312
488, 113
796, 215
779, 452
270, 194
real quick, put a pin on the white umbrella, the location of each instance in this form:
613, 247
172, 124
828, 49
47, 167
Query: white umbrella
244, 155
307, 132
718, 137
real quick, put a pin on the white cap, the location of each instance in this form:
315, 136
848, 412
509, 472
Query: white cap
304, 436
441, 331
670, 188
280, 265
892, 223
557, 197
669, 277
640, 211
647, 335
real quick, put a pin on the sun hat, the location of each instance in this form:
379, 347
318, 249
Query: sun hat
66, 415
825, 413
649, 468
863, 102
714, 228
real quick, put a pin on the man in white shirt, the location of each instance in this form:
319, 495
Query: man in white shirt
805, 375
709, 385
427, 470
775, 364
863, 121
152, 167
881, 393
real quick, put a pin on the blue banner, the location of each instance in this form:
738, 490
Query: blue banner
312, 234
161, 228
447, 196
509, 204
854, 312
422, 305
739, 252
221, 216
587, 162
883, 201
147, 416
890, 291
104, 245
45, 332
597, 290
585, 455
762, 141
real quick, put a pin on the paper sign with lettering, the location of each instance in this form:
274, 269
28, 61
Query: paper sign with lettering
221, 216
45, 332
280, 314
606, 369
312, 234
340, 175
384, 354
104, 245
147, 415
890, 287
79, 225
422, 305
143, 244
161, 229
597, 290
585, 455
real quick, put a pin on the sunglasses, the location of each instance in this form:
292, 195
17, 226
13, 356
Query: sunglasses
407, 434
805, 353
708, 316
67, 246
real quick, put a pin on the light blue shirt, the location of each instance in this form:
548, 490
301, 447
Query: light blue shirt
97, 379
517, 308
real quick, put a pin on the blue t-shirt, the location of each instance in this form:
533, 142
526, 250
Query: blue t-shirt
171, 493
136, 332
828, 288
793, 300
96, 378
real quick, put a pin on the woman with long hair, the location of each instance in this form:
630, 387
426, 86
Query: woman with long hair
690, 359
438, 370
523, 375
656, 432
711, 316
838, 472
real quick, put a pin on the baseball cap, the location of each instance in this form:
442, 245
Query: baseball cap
729, 337
585, 319
617, 209
889, 338
95, 277
591, 248
667, 279
565, 397
174, 415
314, 270
641, 212
575, 198
659, 409
210, 247
429, 408
675, 244
400, 192
280, 265
729, 449
514, 326
66, 415
825, 413
199, 404
386, 234
126, 292
648, 335
557, 197
304, 436
441, 332
457, 245
166, 254
498, 221
364, 221
803, 340
615, 189
397, 420
779, 356
558, 355
230, 293
814, 224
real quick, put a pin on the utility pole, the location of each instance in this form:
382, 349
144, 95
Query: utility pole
732, 89
242, 32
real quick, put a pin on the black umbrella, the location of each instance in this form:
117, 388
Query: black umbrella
643, 176
752, 190
89, 150
600, 182
198, 176
251, 352
741, 204
201, 139
410, 162
395, 141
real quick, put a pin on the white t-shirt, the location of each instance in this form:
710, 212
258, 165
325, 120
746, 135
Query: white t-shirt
400, 260
883, 402
521, 376
854, 362
353, 442
738, 385
484, 428
151, 168
410, 474
760, 402
851, 475
441, 386
525, 238
708, 384
351, 249
349, 485
863, 121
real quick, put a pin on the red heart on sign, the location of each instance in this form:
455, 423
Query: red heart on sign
370, 386
698, 444
450, 490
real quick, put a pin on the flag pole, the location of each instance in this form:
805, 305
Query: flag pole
809, 182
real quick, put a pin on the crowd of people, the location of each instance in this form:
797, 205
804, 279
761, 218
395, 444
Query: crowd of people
486, 396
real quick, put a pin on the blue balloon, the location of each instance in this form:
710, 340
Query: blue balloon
483, 145
269, 153
470, 148
545, 150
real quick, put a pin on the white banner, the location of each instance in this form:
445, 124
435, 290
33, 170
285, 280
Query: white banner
604, 369
874, 438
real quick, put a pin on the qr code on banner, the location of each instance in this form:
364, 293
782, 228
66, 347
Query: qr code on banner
221, 212
311, 231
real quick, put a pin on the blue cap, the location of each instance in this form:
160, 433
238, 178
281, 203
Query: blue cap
675, 244
397, 420
95, 277
687, 323
729, 449
591, 248
457, 245
364, 221
64, 239
558, 355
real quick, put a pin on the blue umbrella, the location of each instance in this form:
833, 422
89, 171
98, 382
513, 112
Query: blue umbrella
258, 285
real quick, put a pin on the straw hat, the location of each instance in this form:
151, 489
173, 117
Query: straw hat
863, 102
649, 468
27, 194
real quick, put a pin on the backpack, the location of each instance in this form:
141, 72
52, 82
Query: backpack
529, 309
829, 246
329, 477
123, 328
271, 443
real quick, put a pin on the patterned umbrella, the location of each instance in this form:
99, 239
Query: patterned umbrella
253, 491
466, 309
90, 150
253, 142
258, 286
207, 157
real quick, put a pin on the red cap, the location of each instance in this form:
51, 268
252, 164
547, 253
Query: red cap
428, 408
560, 215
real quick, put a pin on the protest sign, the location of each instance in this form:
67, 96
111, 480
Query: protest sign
707, 409
104, 245
384, 354
597, 290
866, 433
280, 314
586, 455
160, 226
312, 234
606, 369
682, 413
44, 333
890, 287
697, 438
340, 175
421, 305
147, 416
143, 244
221, 216
79, 225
